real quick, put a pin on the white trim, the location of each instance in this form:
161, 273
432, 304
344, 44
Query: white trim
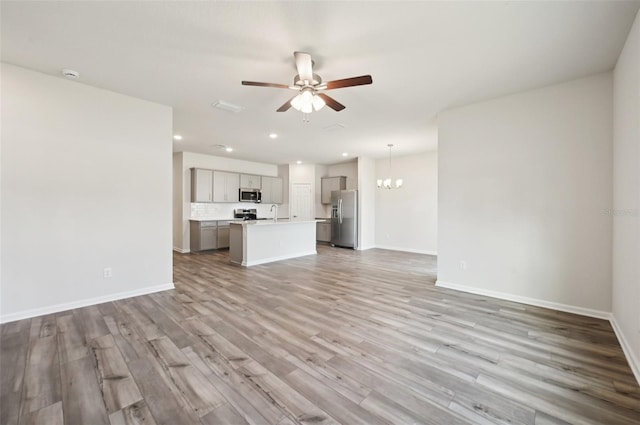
272, 259
364, 248
27, 314
633, 361
180, 250
414, 251
599, 314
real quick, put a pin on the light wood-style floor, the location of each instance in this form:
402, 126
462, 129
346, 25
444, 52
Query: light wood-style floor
342, 337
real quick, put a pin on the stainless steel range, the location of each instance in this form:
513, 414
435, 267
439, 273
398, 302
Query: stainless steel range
246, 214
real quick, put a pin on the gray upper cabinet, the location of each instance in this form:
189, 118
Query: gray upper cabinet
201, 185
249, 181
226, 187
329, 184
272, 190
223, 186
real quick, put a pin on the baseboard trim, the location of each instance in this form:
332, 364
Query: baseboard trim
364, 248
413, 251
633, 361
181, 251
27, 314
598, 314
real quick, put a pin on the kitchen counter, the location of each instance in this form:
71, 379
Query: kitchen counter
232, 219
264, 241
215, 219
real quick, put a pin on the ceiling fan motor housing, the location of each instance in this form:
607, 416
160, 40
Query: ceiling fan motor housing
298, 82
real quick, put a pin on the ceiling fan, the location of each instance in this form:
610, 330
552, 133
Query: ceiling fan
310, 86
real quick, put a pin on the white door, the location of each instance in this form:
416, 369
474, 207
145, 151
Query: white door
301, 202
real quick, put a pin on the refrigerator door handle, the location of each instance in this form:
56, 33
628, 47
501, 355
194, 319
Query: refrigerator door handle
340, 209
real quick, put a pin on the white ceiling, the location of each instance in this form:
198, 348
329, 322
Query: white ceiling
424, 57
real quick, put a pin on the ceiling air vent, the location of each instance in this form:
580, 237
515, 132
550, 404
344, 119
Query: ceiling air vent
226, 106
334, 127
70, 73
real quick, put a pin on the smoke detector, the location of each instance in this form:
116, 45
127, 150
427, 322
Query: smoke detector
70, 73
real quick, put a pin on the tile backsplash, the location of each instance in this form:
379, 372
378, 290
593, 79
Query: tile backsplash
222, 211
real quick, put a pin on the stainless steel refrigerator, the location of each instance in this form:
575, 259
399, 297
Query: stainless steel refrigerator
344, 218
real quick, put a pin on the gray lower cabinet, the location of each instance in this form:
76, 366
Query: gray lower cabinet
323, 231
203, 235
223, 234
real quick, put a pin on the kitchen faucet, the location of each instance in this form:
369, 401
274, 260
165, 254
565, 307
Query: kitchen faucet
275, 217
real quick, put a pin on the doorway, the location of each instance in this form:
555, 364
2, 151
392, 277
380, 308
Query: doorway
301, 202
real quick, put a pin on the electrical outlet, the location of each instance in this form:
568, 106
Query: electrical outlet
108, 273
463, 265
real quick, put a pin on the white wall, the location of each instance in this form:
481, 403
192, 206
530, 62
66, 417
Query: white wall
178, 197
626, 197
523, 185
86, 184
407, 218
347, 169
322, 211
283, 172
366, 203
187, 160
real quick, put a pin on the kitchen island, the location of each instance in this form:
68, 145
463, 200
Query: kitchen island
258, 242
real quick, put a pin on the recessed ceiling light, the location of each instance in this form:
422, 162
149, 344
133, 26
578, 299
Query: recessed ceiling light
70, 73
273, 136
298, 162
228, 149
345, 153
226, 106
177, 137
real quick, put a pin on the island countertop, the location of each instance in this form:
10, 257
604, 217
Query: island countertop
271, 222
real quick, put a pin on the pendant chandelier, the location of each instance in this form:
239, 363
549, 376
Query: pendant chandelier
386, 183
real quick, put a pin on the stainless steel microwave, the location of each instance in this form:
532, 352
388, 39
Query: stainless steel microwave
250, 195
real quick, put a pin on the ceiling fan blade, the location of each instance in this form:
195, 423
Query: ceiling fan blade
285, 107
304, 66
331, 102
255, 83
349, 82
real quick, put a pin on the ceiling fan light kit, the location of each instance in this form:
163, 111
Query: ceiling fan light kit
386, 183
309, 85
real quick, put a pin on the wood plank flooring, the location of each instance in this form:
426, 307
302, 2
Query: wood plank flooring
342, 337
